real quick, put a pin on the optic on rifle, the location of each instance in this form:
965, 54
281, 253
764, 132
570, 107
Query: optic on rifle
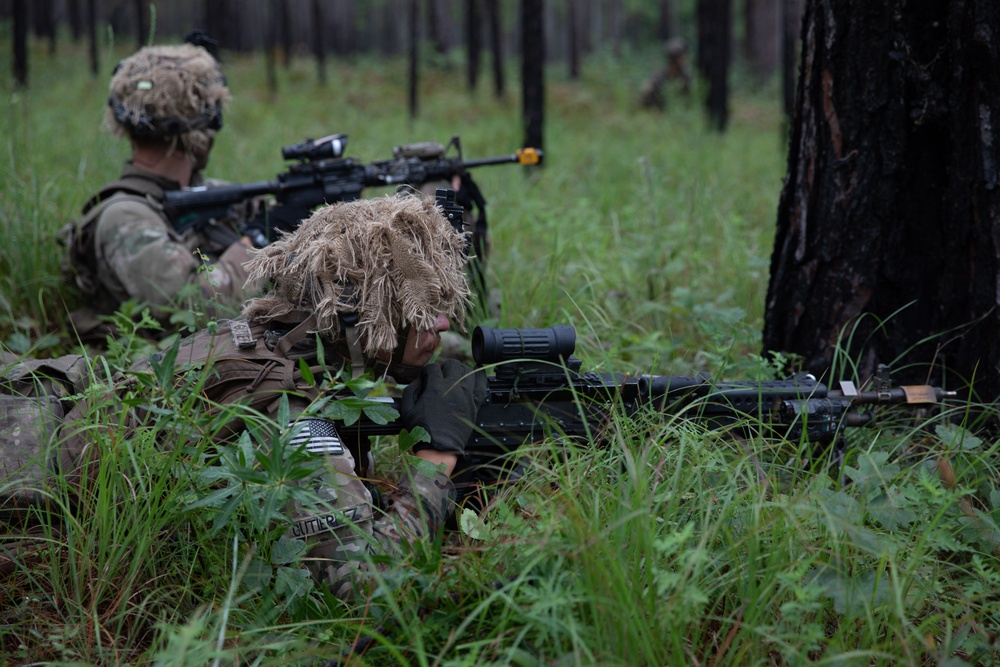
331, 146
552, 344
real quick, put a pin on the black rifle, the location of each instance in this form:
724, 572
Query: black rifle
322, 175
538, 389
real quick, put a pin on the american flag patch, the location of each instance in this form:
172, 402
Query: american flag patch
319, 436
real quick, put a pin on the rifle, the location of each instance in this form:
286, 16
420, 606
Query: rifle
322, 175
538, 389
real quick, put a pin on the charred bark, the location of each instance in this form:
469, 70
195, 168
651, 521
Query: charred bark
533, 70
888, 234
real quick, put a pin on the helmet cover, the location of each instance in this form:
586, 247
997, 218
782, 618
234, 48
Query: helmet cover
175, 93
394, 261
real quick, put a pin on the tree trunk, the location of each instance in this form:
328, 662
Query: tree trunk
496, 47
92, 36
666, 24
74, 18
21, 42
271, 48
714, 38
414, 44
888, 231
141, 25
319, 48
791, 20
473, 41
533, 70
43, 13
573, 23
285, 26
762, 37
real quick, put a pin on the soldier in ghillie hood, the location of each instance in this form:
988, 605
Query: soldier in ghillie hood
168, 102
360, 288
376, 282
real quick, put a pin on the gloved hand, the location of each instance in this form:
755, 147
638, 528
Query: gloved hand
265, 226
444, 400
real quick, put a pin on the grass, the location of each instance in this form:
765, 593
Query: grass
672, 544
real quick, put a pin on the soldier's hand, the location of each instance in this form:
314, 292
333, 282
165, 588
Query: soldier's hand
444, 400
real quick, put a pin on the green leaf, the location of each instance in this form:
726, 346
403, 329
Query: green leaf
954, 435
473, 526
380, 413
258, 575
292, 582
287, 550
307, 374
409, 438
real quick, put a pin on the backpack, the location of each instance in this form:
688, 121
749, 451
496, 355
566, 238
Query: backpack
35, 396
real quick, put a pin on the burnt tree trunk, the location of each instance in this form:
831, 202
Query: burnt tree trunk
21, 42
762, 36
473, 41
44, 15
141, 24
496, 46
319, 47
791, 20
414, 44
92, 36
666, 24
714, 39
271, 48
888, 230
533, 70
74, 18
573, 24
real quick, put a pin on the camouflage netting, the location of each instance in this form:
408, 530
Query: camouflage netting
163, 82
403, 259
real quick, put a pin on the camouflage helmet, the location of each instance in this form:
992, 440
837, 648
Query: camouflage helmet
173, 93
389, 264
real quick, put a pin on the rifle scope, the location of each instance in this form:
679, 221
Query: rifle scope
331, 146
492, 346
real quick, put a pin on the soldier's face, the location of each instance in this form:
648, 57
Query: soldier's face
421, 345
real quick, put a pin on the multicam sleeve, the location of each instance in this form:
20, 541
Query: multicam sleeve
139, 258
344, 532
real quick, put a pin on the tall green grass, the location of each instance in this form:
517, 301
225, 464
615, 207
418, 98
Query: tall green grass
672, 544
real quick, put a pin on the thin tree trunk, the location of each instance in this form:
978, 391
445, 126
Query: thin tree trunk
533, 70
496, 47
141, 30
21, 42
414, 55
92, 36
473, 41
319, 49
573, 23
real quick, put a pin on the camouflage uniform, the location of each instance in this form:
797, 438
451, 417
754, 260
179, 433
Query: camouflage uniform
136, 254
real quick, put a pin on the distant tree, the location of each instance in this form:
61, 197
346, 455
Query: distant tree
92, 36
21, 42
285, 27
573, 24
888, 230
141, 24
414, 45
473, 41
496, 45
75, 18
43, 13
533, 70
221, 23
319, 48
271, 47
666, 24
762, 36
714, 39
